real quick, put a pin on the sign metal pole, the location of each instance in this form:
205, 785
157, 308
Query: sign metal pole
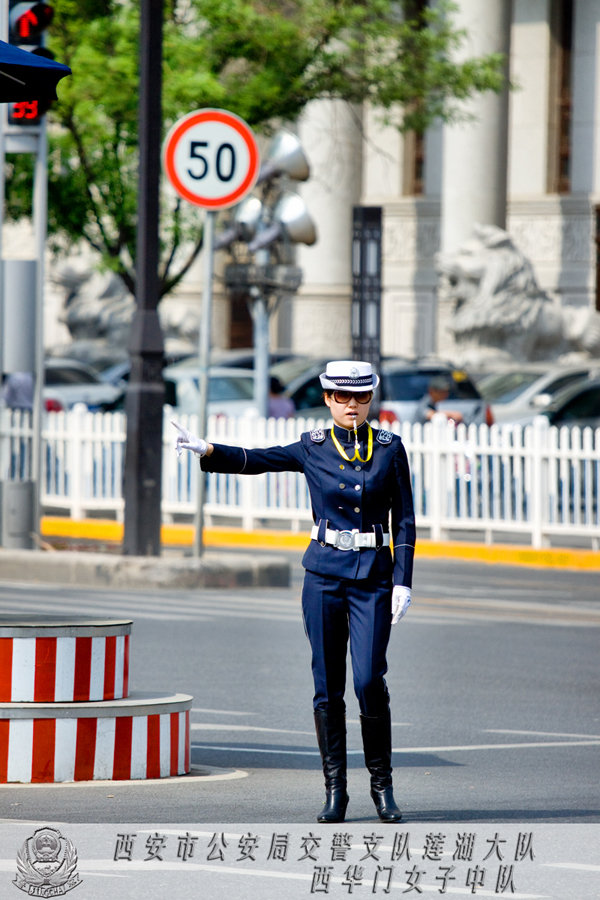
204, 354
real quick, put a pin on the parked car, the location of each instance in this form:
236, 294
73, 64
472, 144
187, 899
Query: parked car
403, 384
230, 390
68, 382
243, 358
578, 404
521, 392
117, 372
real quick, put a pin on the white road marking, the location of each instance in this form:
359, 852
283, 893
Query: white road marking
277, 750
204, 726
459, 748
557, 734
282, 612
283, 608
394, 724
521, 745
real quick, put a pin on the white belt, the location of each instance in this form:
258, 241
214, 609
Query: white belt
350, 540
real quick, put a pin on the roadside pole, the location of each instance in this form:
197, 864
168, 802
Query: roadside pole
204, 355
211, 159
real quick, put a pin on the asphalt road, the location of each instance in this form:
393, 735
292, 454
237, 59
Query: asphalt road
493, 676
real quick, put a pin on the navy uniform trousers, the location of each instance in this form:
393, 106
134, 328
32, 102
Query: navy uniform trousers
335, 611
346, 596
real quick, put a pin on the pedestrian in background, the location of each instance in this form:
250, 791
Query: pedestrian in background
280, 406
438, 390
354, 590
17, 390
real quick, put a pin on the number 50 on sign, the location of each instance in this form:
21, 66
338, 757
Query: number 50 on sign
211, 158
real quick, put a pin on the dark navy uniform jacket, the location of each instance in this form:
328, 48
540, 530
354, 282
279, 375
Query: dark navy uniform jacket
344, 495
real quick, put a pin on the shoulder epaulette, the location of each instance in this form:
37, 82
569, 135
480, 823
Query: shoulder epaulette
384, 437
317, 435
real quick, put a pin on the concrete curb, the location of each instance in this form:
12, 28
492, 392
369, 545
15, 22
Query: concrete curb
182, 536
212, 570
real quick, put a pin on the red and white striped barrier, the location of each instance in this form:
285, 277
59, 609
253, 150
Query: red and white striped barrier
65, 709
46, 662
143, 736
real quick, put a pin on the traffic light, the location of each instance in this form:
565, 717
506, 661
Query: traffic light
27, 25
28, 21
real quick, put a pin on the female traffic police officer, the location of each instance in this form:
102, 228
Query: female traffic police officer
353, 588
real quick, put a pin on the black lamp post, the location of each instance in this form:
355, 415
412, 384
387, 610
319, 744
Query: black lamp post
145, 392
367, 230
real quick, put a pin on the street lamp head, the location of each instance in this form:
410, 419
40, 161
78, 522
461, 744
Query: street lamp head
245, 221
291, 219
285, 157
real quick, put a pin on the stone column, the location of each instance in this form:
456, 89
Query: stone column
585, 128
317, 319
475, 153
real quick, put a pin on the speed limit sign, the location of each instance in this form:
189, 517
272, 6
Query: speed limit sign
211, 158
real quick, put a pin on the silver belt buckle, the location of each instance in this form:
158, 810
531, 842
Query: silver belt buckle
345, 540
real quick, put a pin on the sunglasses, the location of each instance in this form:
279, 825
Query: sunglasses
345, 396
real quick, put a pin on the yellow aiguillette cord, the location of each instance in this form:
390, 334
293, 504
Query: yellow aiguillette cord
357, 455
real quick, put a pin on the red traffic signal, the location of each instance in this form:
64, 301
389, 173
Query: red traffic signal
31, 111
27, 21
24, 112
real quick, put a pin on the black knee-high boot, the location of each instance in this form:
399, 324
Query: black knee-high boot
377, 744
331, 737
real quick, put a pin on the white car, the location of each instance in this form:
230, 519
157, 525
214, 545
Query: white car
230, 390
519, 393
68, 382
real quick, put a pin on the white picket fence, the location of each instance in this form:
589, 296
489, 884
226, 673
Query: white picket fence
537, 484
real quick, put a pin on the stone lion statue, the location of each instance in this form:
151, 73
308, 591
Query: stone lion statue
98, 311
499, 308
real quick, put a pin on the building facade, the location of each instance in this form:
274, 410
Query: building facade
527, 161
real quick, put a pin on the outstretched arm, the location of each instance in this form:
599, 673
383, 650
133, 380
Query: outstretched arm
185, 440
238, 460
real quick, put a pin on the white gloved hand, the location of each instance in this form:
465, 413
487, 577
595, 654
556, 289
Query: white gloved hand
401, 597
187, 441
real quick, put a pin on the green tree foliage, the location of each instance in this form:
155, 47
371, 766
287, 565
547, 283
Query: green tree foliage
262, 59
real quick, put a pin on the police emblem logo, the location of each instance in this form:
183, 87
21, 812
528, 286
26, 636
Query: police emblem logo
317, 435
384, 437
46, 865
354, 373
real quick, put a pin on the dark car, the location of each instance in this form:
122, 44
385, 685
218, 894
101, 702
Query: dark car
403, 384
578, 404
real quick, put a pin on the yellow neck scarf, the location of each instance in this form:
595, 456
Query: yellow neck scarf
357, 455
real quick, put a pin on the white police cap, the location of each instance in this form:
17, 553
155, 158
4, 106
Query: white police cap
349, 375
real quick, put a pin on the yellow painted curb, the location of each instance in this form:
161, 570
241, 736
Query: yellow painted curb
183, 536
508, 554
172, 535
